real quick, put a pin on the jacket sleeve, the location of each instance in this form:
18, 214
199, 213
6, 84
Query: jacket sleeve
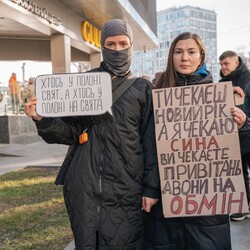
246, 105
151, 172
60, 130
244, 134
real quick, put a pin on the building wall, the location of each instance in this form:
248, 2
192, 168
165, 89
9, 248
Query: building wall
28, 35
37, 50
146, 9
170, 23
51, 30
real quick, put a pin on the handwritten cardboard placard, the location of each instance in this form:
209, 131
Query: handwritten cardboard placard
73, 94
198, 151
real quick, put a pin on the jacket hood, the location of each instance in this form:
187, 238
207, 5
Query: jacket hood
202, 70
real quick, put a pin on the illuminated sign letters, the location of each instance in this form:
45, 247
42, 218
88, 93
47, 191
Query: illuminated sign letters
91, 34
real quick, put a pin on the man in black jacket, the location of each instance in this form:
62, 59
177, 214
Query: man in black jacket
233, 69
110, 180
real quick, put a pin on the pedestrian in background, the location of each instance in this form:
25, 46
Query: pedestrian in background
110, 177
233, 69
27, 92
29, 89
186, 67
14, 93
157, 74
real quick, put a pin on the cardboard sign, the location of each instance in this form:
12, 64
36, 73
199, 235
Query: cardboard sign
198, 151
73, 94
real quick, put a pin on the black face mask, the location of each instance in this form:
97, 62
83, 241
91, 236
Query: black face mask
118, 62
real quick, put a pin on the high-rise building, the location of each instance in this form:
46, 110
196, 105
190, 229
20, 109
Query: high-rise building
170, 23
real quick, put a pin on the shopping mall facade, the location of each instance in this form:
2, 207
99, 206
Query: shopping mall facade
63, 31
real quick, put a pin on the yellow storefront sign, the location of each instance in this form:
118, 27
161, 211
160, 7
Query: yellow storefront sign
91, 34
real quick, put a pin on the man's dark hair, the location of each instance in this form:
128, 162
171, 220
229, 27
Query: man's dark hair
228, 53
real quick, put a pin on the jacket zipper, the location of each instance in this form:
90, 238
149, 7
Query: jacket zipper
185, 81
99, 196
100, 189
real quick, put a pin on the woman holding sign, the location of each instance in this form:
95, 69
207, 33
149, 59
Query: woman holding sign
113, 162
186, 67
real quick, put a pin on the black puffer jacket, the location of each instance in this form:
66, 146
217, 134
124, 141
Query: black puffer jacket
244, 133
109, 173
187, 233
246, 106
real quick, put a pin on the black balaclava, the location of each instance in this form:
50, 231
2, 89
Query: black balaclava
117, 62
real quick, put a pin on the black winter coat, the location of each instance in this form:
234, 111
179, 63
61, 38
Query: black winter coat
241, 77
246, 106
187, 233
244, 133
109, 174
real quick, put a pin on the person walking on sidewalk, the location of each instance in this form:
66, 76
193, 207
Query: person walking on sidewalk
233, 69
110, 177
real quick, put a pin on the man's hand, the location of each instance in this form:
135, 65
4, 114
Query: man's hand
238, 95
30, 109
239, 116
238, 90
148, 203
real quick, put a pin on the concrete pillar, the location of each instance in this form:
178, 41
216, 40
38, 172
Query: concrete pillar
60, 51
95, 59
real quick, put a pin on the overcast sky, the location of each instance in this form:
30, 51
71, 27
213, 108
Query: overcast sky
233, 20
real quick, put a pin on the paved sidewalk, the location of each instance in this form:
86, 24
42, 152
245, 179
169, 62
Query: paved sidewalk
18, 156
240, 236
